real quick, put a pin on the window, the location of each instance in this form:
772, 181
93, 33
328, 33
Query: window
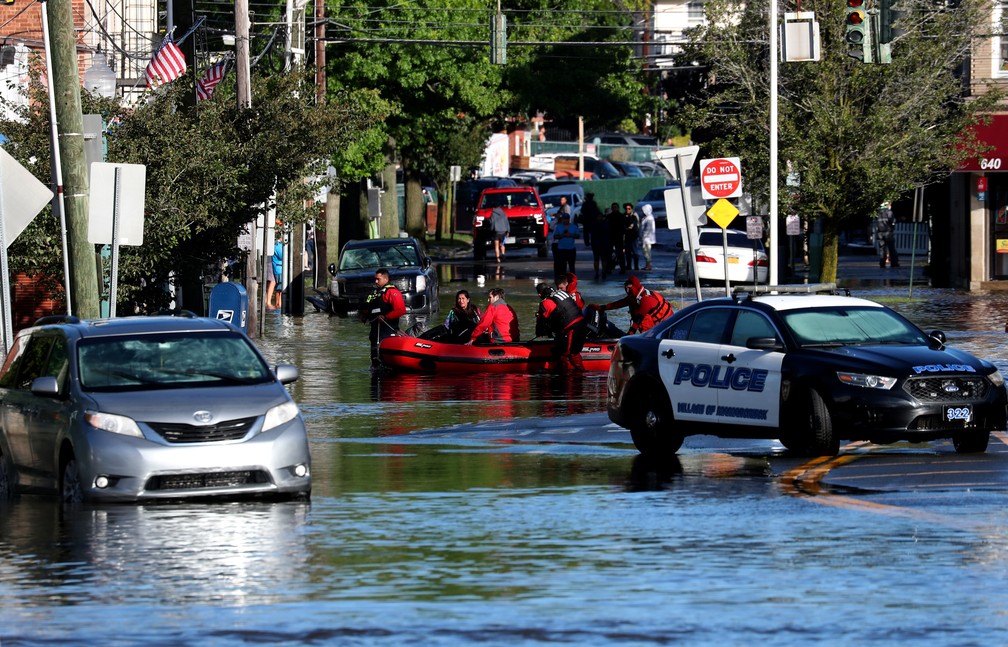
999, 42
840, 326
35, 361
707, 326
750, 324
167, 361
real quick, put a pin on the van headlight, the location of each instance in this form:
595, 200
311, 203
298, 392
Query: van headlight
996, 378
113, 424
280, 414
421, 283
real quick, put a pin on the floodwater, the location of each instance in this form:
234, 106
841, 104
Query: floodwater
469, 510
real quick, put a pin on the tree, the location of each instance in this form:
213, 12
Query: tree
431, 63
208, 174
854, 134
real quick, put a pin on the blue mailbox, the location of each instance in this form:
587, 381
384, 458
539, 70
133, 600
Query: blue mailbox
229, 301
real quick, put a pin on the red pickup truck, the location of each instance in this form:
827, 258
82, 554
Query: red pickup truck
526, 217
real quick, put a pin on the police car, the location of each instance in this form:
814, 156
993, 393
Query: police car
808, 370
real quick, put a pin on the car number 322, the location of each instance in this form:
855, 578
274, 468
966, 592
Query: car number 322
807, 370
959, 413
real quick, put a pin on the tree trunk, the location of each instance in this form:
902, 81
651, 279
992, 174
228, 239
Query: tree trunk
830, 244
416, 210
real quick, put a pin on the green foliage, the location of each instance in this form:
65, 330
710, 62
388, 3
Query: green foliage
209, 171
854, 134
431, 63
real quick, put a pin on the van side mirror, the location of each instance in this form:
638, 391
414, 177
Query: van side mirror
332, 268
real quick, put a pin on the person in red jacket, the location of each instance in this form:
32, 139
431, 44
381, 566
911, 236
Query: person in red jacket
646, 307
559, 316
499, 323
382, 309
568, 283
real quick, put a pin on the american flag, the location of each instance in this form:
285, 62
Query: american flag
167, 65
213, 76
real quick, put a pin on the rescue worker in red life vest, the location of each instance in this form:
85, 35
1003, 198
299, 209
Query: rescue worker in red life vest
560, 316
568, 283
382, 310
646, 307
499, 323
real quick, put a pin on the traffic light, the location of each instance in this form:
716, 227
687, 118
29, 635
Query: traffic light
856, 32
889, 15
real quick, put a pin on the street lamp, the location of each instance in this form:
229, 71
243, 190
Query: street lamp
99, 78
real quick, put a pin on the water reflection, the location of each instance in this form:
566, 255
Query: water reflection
234, 553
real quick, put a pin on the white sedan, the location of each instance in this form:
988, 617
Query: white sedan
746, 258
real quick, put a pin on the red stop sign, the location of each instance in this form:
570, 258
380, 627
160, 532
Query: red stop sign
720, 178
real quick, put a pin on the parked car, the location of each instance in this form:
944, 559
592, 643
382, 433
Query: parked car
575, 195
623, 139
352, 278
566, 165
467, 196
656, 198
526, 217
746, 259
629, 169
808, 370
655, 169
147, 408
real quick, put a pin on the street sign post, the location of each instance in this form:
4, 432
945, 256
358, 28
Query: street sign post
721, 178
678, 161
723, 212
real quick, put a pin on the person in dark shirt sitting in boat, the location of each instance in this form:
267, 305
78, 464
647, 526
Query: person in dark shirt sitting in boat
499, 323
560, 316
459, 324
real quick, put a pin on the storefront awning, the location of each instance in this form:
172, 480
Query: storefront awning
995, 135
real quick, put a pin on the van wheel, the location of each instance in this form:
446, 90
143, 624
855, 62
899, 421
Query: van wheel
542, 251
653, 426
70, 485
6, 479
479, 249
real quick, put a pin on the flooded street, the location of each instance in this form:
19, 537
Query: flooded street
458, 510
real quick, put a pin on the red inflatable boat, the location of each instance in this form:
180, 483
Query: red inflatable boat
415, 355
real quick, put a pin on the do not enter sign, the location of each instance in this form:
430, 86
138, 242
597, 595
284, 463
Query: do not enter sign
721, 178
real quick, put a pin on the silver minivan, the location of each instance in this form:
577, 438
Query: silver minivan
147, 408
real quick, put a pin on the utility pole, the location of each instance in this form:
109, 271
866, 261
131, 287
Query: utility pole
70, 133
320, 60
243, 90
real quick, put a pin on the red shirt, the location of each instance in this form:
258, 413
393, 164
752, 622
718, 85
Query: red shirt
394, 304
500, 320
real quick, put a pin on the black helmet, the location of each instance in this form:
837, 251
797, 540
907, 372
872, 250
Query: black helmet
544, 290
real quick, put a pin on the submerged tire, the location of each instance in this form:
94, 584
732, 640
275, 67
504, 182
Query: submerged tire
653, 428
822, 436
971, 442
70, 485
6, 479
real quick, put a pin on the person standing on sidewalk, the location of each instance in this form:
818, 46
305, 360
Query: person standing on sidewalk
885, 234
647, 234
631, 236
565, 245
615, 219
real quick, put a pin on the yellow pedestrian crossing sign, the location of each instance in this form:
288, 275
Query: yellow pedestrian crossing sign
723, 212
